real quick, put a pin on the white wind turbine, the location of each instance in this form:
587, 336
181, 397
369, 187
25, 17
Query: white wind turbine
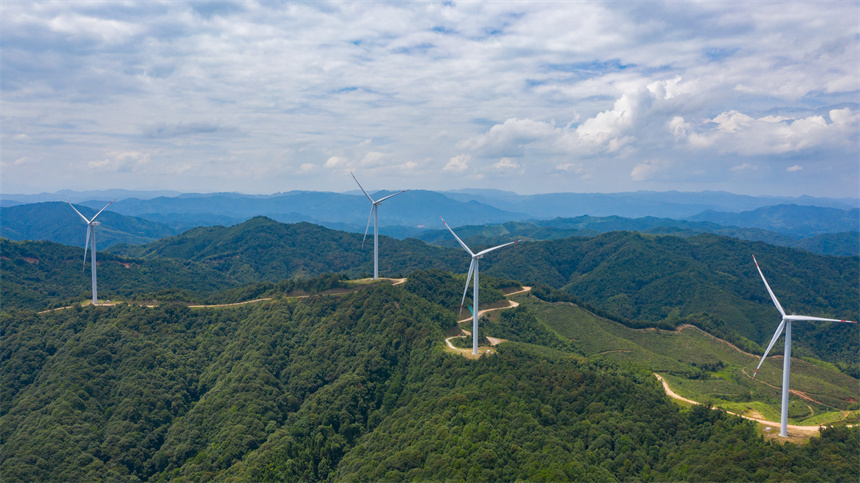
374, 214
473, 268
786, 363
91, 234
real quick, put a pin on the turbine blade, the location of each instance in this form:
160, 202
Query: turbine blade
79, 213
87, 245
488, 250
100, 211
389, 196
468, 279
362, 189
818, 319
770, 346
772, 296
372, 208
458, 238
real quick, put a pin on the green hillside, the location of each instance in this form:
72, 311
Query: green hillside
704, 368
666, 280
352, 387
41, 275
262, 249
641, 280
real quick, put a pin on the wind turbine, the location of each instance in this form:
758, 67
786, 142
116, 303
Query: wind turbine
91, 234
473, 268
786, 363
374, 214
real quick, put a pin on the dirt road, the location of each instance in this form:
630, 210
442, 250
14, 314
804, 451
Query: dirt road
493, 341
803, 431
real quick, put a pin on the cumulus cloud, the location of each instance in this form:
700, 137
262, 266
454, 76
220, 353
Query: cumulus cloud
645, 171
510, 137
120, 161
733, 132
336, 162
506, 164
744, 167
630, 122
306, 168
457, 164
792, 169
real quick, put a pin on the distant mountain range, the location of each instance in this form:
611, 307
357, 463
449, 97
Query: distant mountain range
667, 204
828, 231
58, 222
794, 220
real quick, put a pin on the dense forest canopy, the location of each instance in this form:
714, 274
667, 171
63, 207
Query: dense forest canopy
352, 387
324, 377
636, 278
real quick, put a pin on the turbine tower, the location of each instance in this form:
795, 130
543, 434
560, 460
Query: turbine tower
786, 363
473, 268
91, 234
374, 214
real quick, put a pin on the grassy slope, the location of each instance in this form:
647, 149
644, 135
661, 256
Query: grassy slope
680, 356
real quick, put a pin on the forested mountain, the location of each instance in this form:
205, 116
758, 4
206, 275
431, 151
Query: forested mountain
41, 275
651, 278
641, 279
840, 244
262, 249
354, 387
58, 222
794, 220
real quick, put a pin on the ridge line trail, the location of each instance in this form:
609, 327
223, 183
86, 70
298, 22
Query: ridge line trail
394, 281
493, 341
806, 430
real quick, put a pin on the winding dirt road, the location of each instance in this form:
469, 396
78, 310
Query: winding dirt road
493, 341
804, 431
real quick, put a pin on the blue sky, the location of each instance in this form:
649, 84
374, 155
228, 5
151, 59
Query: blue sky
261, 97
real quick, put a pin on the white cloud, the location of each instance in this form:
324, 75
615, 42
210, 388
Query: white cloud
120, 161
570, 167
336, 162
506, 164
792, 169
744, 167
645, 171
457, 164
306, 168
738, 133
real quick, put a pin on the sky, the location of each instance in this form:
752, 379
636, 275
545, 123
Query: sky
260, 97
